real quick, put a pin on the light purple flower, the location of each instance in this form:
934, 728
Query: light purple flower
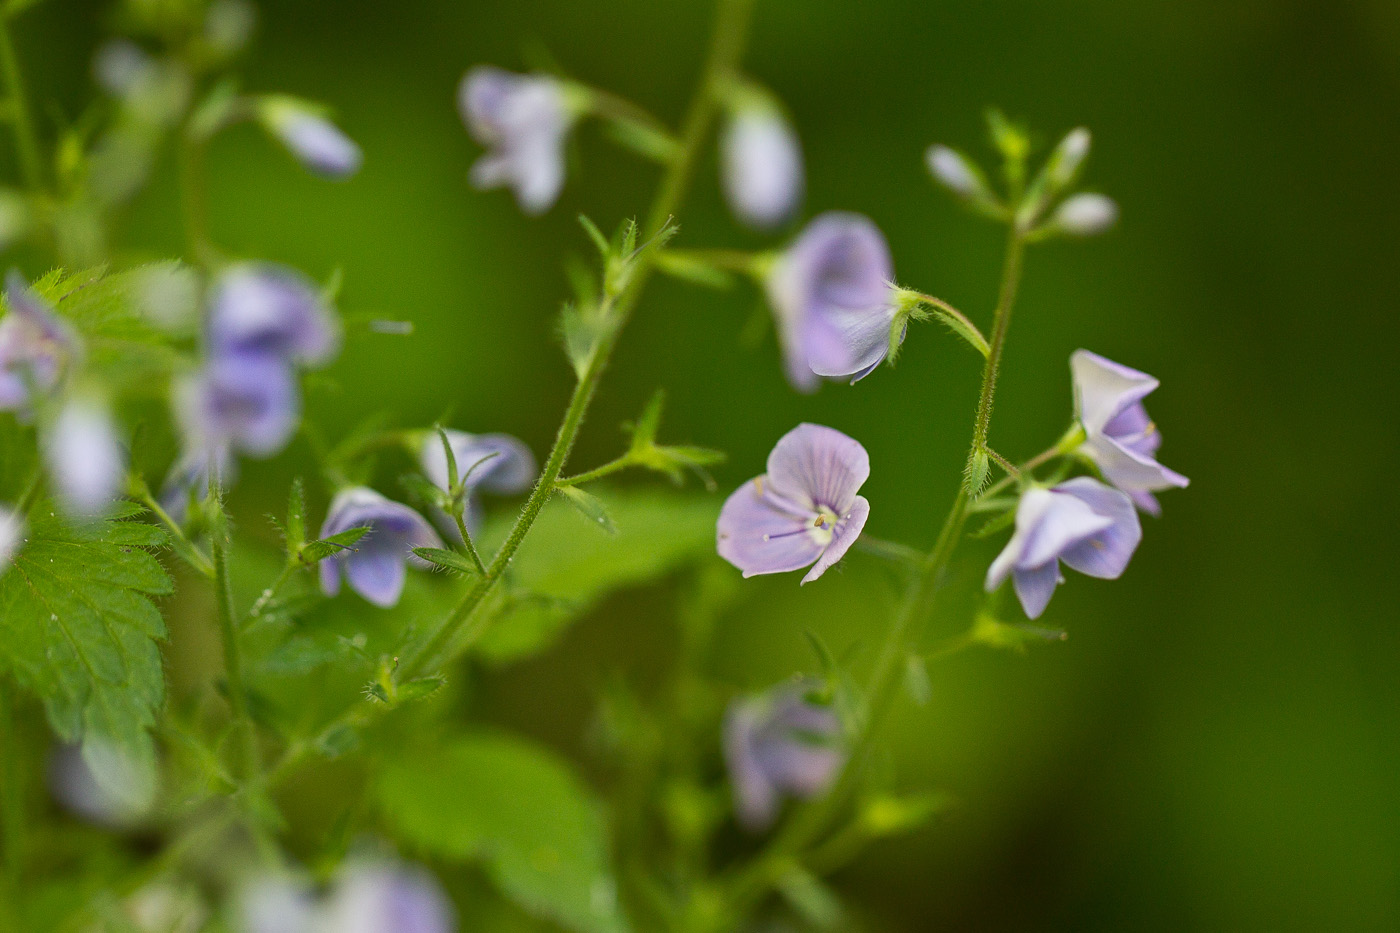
779, 744
833, 297
313, 140
11, 536
804, 510
495, 463
274, 904
1121, 439
762, 162
85, 457
246, 400
271, 309
35, 346
1093, 528
388, 898
523, 120
374, 567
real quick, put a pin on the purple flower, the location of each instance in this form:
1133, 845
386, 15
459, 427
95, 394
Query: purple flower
273, 904
11, 536
1121, 439
243, 399
374, 567
762, 162
779, 744
523, 120
316, 142
495, 463
803, 510
832, 293
35, 346
85, 457
388, 898
271, 309
1091, 527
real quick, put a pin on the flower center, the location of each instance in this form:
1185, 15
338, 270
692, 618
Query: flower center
823, 526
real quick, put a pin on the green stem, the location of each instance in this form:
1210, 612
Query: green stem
26, 140
228, 630
269, 594
1066, 445
607, 469
958, 322
727, 45
810, 823
730, 260
459, 516
12, 815
181, 542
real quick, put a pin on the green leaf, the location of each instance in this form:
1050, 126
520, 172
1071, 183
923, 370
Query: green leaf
518, 809
811, 898
78, 629
567, 567
296, 517
445, 560
591, 507
318, 550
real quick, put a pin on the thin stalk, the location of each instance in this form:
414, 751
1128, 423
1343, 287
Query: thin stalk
607, 469
182, 544
725, 50
26, 140
228, 631
459, 516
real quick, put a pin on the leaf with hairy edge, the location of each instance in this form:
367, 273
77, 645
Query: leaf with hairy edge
77, 627
520, 810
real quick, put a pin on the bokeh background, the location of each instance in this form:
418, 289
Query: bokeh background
1217, 744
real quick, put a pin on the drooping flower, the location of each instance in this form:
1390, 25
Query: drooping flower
762, 161
523, 120
11, 536
1092, 527
833, 297
495, 463
779, 744
85, 457
388, 898
260, 307
313, 140
1120, 437
374, 567
35, 346
244, 400
803, 511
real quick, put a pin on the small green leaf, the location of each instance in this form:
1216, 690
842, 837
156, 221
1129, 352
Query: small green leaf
591, 507
315, 551
446, 560
417, 689
596, 235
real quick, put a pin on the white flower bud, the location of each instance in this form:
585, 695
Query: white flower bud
952, 171
1085, 215
85, 458
762, 163
1069, 155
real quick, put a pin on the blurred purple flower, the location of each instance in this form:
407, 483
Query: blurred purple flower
523, 120
495, 463
85, 457
803, 510
762, 162
779, 744
274, 904
101, 783
374, 567
271, 309
1091, 527
832, 293
313, 140
1121, 439
11, 536
388, 898
189, 478
35, 345
242, 399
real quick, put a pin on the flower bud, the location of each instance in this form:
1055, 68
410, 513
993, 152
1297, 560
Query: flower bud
1067, 159
762, 163
85, 457
312, 139
1085, 215
962, 177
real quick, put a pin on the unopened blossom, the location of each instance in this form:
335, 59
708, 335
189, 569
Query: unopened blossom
101, 782
523, 120
261, 307
313, 140
244, 400
833, 298
374, 565
11, 536
85, 457
1085, 215
803, 511
35, 346
1091, 527
952, 170
388, 898
1121, 439
762, 163
779, 744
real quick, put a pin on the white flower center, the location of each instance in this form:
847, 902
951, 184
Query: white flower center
823, 526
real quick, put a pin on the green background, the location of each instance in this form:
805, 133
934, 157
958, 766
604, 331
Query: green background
1216, 745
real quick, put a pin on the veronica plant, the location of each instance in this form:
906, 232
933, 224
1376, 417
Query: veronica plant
111, 373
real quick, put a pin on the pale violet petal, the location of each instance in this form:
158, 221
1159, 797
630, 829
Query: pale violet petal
1103, 388
1035, 586
758, 535
817, 464
848, 529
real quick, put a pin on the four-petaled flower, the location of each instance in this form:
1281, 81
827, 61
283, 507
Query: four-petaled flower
1091, 527
833, 297
262, 307
1121, 439
762, 162
779, 744
374, 565
523, 120
803, 511
35, 345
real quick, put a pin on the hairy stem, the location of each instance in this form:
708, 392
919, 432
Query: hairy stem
228, 631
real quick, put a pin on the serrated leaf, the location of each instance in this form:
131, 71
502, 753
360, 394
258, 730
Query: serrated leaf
519, 810
591, 507
77, 627
320, 549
